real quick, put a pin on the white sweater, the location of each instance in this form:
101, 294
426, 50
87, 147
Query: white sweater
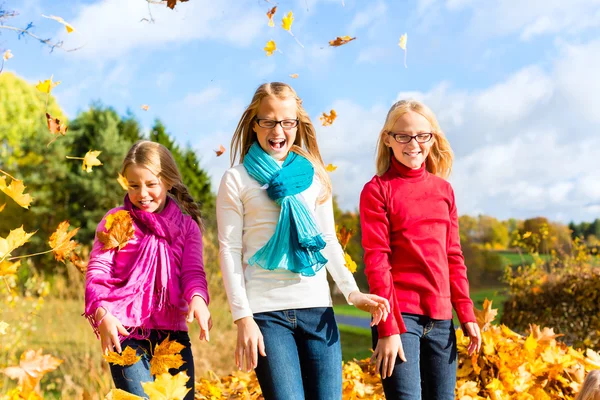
246, 219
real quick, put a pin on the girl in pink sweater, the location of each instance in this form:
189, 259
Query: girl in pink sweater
143, 285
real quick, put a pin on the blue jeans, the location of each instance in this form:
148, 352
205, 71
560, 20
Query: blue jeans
430, 370
304, 356
130, 378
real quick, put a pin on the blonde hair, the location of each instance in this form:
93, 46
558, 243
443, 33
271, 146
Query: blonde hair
439, 160
590, 390
158, 159
306, 136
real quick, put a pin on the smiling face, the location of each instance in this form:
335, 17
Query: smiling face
146, 191
411, 154
276, 141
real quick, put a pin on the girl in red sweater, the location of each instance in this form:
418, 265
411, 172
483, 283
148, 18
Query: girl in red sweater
413, 257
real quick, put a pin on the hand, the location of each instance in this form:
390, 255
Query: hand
472, 330
378, 306
250, 342
385, 354
199, 310
109, 329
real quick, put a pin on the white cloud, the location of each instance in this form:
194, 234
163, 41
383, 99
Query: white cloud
367, 16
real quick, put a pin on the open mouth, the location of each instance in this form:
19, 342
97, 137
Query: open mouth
277, 144
412, 153
145, 203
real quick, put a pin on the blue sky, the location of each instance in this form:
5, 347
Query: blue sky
515, 87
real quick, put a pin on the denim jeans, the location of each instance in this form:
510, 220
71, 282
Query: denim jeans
430, 368
304, 356
130, 378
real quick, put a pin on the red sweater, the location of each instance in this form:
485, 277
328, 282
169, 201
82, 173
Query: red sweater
412, 246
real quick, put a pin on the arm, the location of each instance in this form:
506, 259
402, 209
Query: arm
193, 276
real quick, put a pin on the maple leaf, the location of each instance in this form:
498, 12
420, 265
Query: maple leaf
171, 3
15, 191
9, 268
167, 387
485, 316
118, 230
145, 107
166, 356
61, 242
294, 76
341, 40
123, 182
330, 167
3, 326
68, 26
544, 336
270, 47
118, 394
343, 235
402, 44
350, 264
7, 55
127, 357
15, 239
328, 119
220, 151
270, 14
47, 85
91, 160
78, 262
32, 368
287, 20
55, 127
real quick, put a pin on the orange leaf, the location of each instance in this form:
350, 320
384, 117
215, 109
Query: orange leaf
127, 357
485, 316
270, 14
166, 356
55, 127
220, 151
15, 191
328, 119
145, 107
544, 336
9, 268
61, 242
341, 40
294, 76
32, 368
171, 3
344, 235
118, 230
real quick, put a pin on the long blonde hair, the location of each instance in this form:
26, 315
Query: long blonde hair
439, 160
158, 159
306, 136
590, 390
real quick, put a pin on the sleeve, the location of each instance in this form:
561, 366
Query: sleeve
193, 276
230, 222
336, 265
375, 229
459, 284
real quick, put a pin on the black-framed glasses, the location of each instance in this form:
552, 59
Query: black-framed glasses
404, 138
270, 124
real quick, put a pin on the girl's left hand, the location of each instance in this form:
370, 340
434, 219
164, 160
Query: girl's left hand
199, 310
378, 306
472, 330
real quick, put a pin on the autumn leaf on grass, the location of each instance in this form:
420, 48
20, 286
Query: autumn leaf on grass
7, 55
118, 394
61, 242
9, 267
167, 387
328, 119
166, 356
220, 151
128, 357
55, 127
270, 14
89, 160
33, 365
171, 3
145, 107
68, 26
402, 44
294, 76
118, 230
123, 182
47, 85
330, 167
286, 24
15, 191
350, 264
270, 47
15, 239
341, 40
3, 326
343, 236
485, 316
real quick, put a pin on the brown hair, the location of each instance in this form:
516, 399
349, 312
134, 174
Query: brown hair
439, 160
306, 137
158, 159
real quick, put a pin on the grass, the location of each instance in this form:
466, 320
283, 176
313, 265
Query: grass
356, 342
516, 259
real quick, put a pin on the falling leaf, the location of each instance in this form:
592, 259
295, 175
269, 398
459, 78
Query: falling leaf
32, 368
55, 127
7, 55
15, 239
328, 119
127, 357
78, 262
61, 242
145, 107
344, 235
171, 3
118, 231
270, 14
167, 387
330, 167
270, 47
166, 356
68, 26
286, 21
89, 160
118, 394
293, 76
47, 85
9, 267
220, 151
486, 316
350, 264
15, 191
402, 44
341, 40
123, 182
3, 326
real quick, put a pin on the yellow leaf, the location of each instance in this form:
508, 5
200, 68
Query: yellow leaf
56, 127
166, 356
118, 230
270, 47
118, 394
16, 238
341, 40
2, 207
145, 107
61, 242
530, 343
91, 160
47, 85
544, 336
68, 26
127, 357
526, 235
167, 387
294, 76
330, 167
327, 120
15, 191
350, 264
123, 182
402, 42
9, 268
485, 316
31, 369
286, 22
7, 55
3, 326
270, 14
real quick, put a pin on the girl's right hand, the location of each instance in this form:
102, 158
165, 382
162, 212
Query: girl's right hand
250, 342
109, 329
385, 354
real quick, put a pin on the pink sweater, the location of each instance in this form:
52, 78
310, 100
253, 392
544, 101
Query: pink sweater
188, 266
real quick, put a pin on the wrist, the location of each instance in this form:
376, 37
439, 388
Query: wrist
243, 321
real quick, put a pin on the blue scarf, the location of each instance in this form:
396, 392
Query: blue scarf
297, 240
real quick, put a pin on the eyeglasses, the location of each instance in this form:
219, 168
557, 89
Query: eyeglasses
404, 138
270, 124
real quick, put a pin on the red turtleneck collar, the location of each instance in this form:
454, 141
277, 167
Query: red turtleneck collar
408, 173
